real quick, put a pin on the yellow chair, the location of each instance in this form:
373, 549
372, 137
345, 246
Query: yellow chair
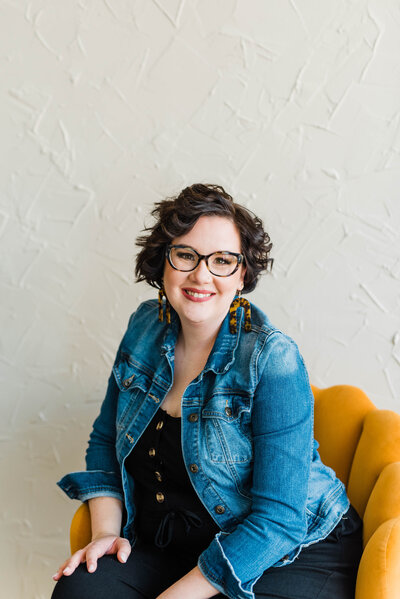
362, 445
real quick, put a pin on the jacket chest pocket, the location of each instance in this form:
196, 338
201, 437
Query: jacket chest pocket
133, 385
227, 428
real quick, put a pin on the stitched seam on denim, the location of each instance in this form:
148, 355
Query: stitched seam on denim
209, 574
91, 489
139, 365
256, 377
332, 495
131, 398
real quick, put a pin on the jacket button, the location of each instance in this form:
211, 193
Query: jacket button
127, 382
219, 509
160, 497
228, 411
193, 417
152, 452
194, 468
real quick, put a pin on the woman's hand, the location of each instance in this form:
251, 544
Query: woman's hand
104, 544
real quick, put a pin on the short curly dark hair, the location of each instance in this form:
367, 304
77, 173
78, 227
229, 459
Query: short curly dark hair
176, 216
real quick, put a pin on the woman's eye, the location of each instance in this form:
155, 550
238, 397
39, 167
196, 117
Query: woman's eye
185, 255
223, 260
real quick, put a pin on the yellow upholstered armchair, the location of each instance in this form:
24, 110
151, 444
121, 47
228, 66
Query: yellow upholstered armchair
362, 445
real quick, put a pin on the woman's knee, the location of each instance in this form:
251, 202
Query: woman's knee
102, 583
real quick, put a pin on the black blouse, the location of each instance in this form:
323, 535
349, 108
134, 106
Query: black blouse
169, 512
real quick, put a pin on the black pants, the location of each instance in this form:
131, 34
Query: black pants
325, 570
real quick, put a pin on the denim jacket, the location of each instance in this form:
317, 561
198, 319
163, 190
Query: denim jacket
247, 442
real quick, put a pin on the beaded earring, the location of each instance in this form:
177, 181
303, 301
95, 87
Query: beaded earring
161, 294
245, 304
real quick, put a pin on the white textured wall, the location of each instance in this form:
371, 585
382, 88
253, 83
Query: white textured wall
108, 106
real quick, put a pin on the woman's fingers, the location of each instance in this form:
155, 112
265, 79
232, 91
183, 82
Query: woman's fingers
69, 565
92, 556
95, 550
123, 548
57, 575
99, 547
73, 562
91, 553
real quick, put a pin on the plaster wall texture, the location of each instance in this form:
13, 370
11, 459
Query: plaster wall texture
108, 106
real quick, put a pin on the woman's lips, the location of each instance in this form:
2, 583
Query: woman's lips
197, 295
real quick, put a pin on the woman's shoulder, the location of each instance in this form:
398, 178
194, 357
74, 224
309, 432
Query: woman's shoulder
273, 343
260, 322
144, 331
144, 312
266, 329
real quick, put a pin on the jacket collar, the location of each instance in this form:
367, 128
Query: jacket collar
222, 355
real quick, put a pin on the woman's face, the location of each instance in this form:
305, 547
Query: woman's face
209, 234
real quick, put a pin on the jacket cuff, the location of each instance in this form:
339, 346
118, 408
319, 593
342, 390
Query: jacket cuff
225, 580
92, 483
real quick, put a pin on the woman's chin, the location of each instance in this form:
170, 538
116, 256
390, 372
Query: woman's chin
201, 318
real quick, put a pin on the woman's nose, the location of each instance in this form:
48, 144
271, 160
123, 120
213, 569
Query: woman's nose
201, 273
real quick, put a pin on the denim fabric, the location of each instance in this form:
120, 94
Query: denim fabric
247, 423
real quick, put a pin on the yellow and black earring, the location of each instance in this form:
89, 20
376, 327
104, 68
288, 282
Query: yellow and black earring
161, 294
239, 302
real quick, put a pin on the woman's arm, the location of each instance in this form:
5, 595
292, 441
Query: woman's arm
282, 431
106, 518
192, 586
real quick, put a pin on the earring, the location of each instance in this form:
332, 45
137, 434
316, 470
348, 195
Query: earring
161, 294
237, 303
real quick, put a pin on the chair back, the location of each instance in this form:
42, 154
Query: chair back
338, 422
362, 445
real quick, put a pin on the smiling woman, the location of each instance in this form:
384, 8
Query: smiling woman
203, 478
177, 216
197, 295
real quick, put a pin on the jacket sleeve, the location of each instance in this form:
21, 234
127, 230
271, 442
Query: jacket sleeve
282, 425
103, 475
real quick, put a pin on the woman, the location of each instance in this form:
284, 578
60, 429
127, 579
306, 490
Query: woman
203, 451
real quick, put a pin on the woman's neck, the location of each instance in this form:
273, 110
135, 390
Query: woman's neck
197, 338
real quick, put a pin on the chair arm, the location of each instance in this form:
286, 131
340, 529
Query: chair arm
384, 501
379, 571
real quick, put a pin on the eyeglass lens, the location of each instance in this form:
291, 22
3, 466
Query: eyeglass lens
219, 263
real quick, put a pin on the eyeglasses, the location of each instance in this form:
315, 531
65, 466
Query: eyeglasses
186, 259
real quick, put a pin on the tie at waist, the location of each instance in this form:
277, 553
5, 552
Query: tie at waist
165, 529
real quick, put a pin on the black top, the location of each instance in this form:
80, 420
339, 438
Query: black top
168, 508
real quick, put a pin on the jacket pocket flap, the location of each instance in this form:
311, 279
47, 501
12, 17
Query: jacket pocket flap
129, 376
226, 407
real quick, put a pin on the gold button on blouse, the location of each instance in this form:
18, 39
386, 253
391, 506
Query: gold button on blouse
152, 452
160, 497
159, 425
158, 476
